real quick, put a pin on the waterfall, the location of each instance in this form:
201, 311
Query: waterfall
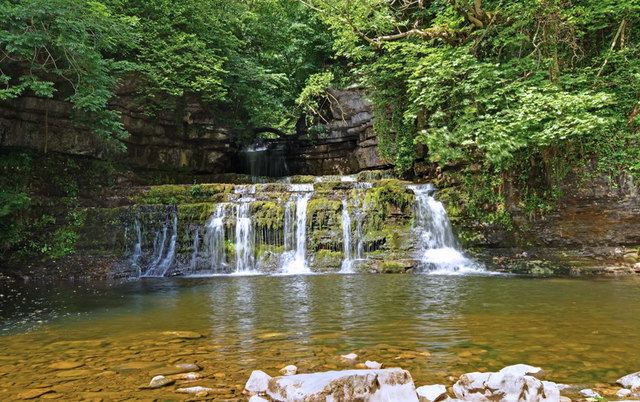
439, 250
295, 261
194, 254
137, 248
215, 239
347, 262
244, 239
161, 265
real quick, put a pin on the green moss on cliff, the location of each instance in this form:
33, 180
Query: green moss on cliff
268, 214
324, 213
179, 194
195, 213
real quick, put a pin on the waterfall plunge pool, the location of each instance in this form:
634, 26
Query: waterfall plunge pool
579, 331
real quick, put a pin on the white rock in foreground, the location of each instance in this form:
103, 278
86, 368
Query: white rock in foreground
257, 383
384, 385
256, 398
289, 370
505, 387
631, 381
431, 393
523, 369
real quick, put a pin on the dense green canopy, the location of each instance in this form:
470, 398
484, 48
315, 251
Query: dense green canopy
492, 82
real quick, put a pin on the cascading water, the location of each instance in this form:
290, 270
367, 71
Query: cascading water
194, 254
161, 265
244, 236
244, 239
295, 261
215, 239
439, 250
137, 248
347, 262
266, 227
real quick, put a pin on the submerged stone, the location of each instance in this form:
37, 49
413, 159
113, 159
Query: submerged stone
200, 391
348, 385
176, 369
158, 382
66, 365
34, 393
183, 334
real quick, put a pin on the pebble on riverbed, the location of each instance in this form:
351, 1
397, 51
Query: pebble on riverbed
176, 369
289, 370
158, 382
350, 358
198, 391
372, 365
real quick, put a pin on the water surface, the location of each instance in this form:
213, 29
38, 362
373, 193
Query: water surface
436, 326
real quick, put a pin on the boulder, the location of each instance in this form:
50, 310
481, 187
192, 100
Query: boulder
631, 381
506, 387
392, 384
256, 398
431, 393
258, 383
523, 369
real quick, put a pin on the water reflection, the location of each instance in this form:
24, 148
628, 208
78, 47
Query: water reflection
577, 330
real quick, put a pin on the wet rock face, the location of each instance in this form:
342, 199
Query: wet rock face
187, 138
343, 145
349, 385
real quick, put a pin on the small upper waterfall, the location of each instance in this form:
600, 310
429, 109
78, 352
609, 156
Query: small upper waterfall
295, 261
439, 250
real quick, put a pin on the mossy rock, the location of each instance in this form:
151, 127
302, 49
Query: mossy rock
268, 214
195, 213
173, 194
333, 186
303, 179
325, 239
327, 261
324, 213
385, 266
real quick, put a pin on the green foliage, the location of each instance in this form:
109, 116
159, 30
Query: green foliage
40, 213
62, 46
519, 89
